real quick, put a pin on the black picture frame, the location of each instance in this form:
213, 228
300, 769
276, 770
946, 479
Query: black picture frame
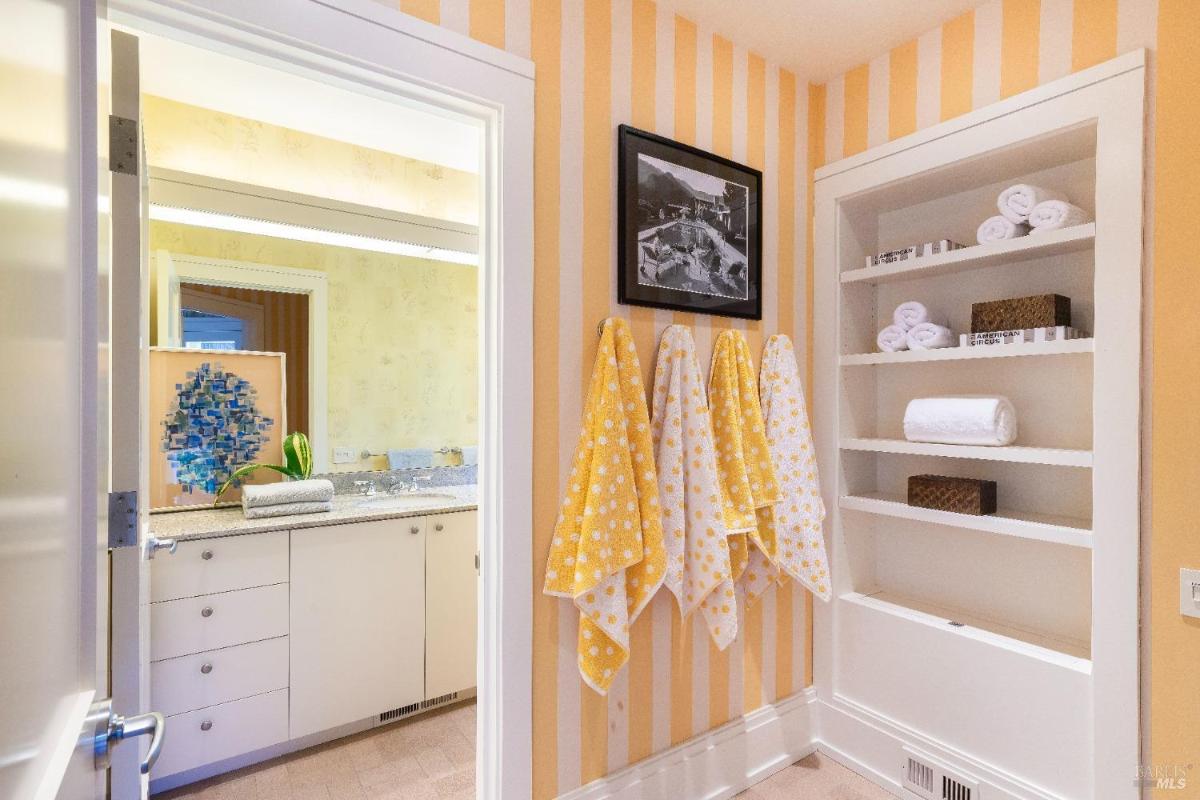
679, 246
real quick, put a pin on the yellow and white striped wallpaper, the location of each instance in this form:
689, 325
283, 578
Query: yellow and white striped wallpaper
602, 62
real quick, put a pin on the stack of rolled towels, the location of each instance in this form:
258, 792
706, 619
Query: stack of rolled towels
912, 329
1025, 208
287, 498
987, 420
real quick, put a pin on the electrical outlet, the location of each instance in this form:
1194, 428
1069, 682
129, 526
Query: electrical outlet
1189, 592
344, 455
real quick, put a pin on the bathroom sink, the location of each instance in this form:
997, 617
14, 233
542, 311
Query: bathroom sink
400, 502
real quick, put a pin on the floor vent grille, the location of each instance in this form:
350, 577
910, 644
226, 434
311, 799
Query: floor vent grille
930, 779
417, 708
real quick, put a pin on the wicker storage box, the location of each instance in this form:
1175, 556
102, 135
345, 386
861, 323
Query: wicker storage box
962, 495
1017, 313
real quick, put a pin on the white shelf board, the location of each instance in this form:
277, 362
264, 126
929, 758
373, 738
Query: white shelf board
1064, 652
1041, 527
1066, 347
1019, 455
1023, 248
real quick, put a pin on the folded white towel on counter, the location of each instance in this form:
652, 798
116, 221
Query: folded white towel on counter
286, 493
998, 228
929, 335
966, 419
287, 509
1054, 214
892, 339
1016, 202
910, 314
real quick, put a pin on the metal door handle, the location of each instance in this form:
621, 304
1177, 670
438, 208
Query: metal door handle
154, 544
112, 727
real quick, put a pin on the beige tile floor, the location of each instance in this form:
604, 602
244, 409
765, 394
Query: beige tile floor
429, 757
432, 757
815, 777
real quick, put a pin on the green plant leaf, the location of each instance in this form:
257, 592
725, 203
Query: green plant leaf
298, 454
247, 469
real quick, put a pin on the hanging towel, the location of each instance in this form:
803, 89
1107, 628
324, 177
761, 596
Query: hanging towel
419, 458
997, 229
966, 419
1017, 202
910, 314
795, 521
928, 336
743, 461
892, 338
607, 552
272, 494
698, 569
1054, 214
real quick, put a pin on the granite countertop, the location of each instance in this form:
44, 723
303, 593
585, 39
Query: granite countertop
214, 522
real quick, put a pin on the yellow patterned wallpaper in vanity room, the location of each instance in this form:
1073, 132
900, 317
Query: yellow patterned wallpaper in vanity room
403, 332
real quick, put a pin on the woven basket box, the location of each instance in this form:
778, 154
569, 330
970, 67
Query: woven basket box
961, 495
1017, 313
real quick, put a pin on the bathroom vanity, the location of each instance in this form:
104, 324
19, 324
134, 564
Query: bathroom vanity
272, 635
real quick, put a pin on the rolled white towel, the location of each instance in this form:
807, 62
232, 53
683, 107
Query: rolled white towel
910, 314
287, 509
1016, 202
273, 494
929, 335
966, 419
1054, 214
892, 338
998, 228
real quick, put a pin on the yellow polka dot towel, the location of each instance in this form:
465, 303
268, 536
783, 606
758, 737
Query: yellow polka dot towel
689, 491
607, 552
795, 522
743, 462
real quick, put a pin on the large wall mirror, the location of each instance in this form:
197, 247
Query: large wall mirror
358, 264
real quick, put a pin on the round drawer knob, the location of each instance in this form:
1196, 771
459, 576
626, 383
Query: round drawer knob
207, 555
414, 530
438, 527
206, 725
205, 669
206, 611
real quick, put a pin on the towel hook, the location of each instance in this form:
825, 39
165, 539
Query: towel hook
600, 328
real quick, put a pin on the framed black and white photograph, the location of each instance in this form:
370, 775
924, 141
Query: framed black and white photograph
689, 228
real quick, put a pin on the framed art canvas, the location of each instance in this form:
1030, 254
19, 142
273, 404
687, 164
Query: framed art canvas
689, 228
211, 411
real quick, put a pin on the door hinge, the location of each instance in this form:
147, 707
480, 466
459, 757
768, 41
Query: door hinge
122, 519
122, 145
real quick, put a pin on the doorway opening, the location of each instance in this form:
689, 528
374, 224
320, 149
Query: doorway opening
411, 318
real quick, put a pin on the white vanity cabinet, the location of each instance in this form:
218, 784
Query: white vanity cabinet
357, 621
265, 642
451, 580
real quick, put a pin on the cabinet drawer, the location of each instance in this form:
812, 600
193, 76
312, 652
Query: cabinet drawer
223, 731
218, 676
220, 565
196, 624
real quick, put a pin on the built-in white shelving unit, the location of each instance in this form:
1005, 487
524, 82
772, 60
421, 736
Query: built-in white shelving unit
947, 628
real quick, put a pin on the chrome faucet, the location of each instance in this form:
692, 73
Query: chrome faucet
365, 488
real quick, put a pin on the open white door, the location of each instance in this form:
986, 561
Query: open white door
129, 333
57, 726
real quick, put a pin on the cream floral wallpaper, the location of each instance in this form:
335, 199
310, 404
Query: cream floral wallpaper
403, 338
205, 142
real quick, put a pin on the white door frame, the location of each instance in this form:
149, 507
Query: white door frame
173, 269
362, 45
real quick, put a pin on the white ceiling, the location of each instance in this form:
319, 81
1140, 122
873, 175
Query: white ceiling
208, 79
819, 39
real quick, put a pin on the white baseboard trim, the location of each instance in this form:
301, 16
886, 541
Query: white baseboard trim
872, 745
718, 764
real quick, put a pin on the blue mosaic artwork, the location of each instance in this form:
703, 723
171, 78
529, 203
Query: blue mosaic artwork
212, 428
